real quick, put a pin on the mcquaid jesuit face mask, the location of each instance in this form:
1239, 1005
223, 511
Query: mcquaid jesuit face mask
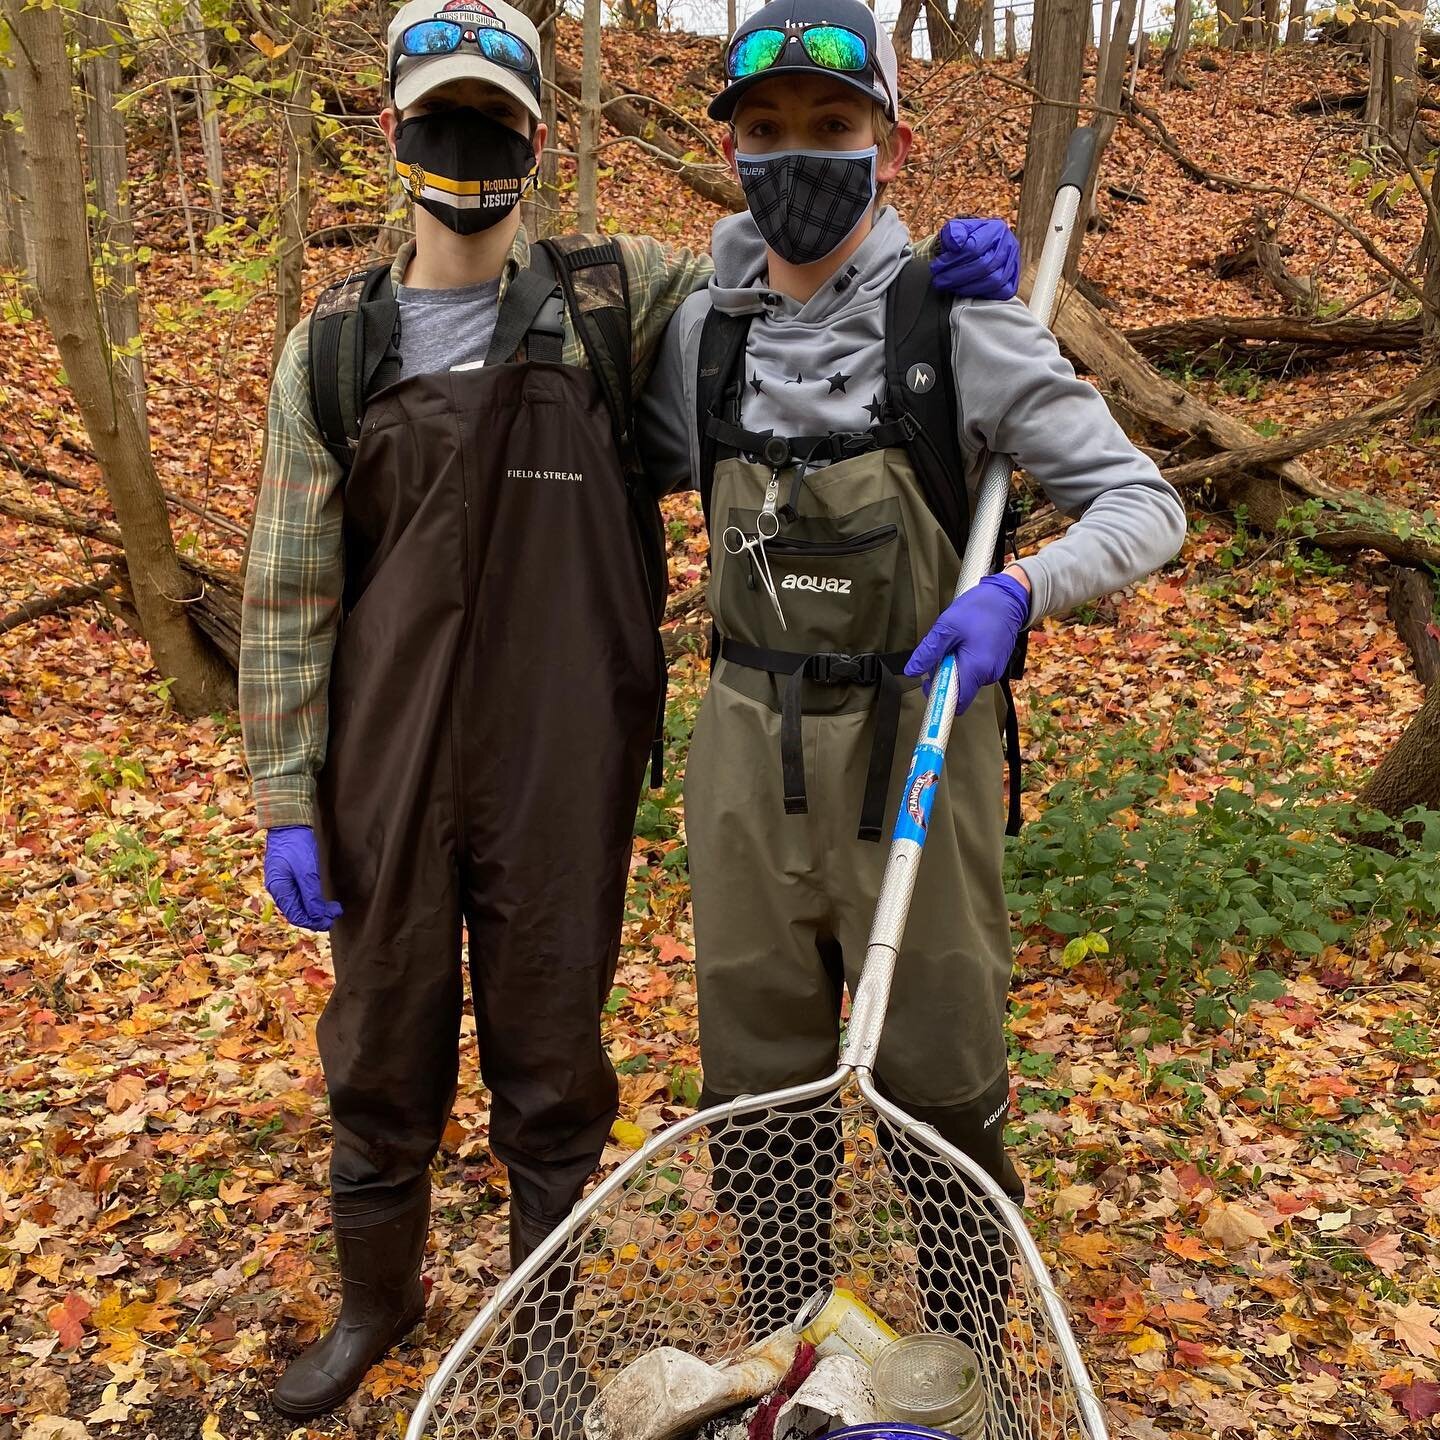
807, 202
467, 170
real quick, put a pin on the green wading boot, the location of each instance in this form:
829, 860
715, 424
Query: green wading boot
382, 1298
557, 1388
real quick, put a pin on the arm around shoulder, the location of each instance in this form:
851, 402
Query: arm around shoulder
1019, 396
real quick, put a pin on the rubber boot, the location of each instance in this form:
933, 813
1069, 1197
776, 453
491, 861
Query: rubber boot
556, 1387
382, 1298
775, 1174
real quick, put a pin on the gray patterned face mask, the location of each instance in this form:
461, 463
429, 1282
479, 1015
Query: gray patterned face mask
806, 203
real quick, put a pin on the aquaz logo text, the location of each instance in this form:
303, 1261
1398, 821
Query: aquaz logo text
828, 583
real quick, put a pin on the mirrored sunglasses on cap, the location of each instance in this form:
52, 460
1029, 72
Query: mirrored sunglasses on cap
445, 37
831, 47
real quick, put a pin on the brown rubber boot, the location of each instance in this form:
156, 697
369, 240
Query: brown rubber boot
557, 1388
382, 1298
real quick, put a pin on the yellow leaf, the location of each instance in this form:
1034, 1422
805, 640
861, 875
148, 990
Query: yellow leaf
266, 46
628, 1134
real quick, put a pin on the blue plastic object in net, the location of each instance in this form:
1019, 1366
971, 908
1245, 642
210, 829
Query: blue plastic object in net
887, 1430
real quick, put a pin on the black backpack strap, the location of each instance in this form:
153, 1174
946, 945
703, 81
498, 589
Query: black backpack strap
532, 315
352, 334
920, 391
719, 376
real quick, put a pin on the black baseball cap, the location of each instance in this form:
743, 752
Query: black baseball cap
787, 21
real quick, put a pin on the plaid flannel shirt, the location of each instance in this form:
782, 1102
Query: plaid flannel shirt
296, 572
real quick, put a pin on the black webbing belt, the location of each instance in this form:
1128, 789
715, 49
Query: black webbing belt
831, 668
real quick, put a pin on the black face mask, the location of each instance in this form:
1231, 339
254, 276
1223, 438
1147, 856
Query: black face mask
467, 170
807, 202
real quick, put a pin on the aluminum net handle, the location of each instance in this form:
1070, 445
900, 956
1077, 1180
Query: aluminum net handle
892, 910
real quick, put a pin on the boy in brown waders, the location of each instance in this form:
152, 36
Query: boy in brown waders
835, 415
450, 669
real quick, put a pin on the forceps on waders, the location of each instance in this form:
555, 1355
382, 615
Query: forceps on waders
767, 527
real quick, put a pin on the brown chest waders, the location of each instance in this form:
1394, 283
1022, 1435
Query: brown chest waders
493, 699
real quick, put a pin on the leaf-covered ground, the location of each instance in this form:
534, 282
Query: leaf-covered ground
1243, 1217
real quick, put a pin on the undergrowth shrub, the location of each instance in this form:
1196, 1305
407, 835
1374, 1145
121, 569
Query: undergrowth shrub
1212, 897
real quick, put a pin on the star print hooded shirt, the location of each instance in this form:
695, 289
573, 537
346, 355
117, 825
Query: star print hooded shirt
819, 366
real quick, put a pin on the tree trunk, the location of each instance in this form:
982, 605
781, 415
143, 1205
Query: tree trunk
197, 53
200, 680
640, 14
1295, 29
1430, 344
14, 185
965, 23
1394, 99
1410, 774
940, 31
1179, 43
1141, 43
1057, 51
1230, 12
1105, 28
904, 27
587, 163
1108, 84
1272, 23
987, 30
1250, 23
102, 32
732, 17
1011, 48
295, 183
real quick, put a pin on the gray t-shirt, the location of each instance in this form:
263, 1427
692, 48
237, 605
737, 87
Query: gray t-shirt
440, 329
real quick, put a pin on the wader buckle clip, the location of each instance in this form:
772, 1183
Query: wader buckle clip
833, 668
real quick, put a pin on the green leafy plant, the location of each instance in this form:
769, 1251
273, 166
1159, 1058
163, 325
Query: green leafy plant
1206, 902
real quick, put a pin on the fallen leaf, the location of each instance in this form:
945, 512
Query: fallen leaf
1384, 1253
1233, 1226
1414, 1326
1420, 1399
67, 1320
628, 1134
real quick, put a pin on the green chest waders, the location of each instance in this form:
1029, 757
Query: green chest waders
492, 704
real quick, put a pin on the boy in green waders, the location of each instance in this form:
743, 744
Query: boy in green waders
826, 404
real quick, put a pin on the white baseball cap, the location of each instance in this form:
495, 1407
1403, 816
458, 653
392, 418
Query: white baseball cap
432, 42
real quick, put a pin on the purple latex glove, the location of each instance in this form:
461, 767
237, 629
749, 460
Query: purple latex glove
981, 627
292, 876
979, 259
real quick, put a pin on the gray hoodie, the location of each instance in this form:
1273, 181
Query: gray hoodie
820, 367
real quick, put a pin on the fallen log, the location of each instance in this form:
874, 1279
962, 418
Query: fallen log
1279, 494
1414, 605
58, 601
709, 181
1154, 128
1241, 332
1257, 247
1419, 393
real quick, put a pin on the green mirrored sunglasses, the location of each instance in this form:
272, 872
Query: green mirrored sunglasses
831, 47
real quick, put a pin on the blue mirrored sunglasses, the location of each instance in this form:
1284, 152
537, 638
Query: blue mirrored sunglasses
445, 37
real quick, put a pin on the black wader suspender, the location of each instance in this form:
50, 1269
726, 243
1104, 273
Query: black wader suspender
921, 419
722, 346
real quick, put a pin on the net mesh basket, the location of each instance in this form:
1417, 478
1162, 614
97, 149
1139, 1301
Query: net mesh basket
717, 1234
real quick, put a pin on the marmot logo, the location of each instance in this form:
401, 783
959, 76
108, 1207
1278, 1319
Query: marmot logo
816, 582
